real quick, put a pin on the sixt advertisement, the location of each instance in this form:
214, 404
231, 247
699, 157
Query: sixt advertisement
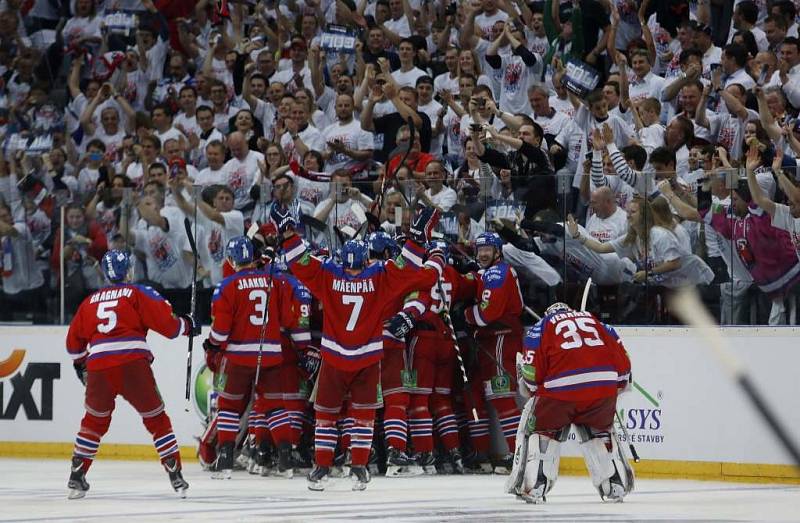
26, 389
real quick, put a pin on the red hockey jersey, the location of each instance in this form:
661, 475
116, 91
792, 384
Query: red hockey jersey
426, 307
111, 325
356, 305
572, 356
239, 310
500, 301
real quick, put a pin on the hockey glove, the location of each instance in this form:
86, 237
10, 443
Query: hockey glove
436, 255
213, 355
80, 370
310, 361
282, 217
423, 224
190, 327
400, 324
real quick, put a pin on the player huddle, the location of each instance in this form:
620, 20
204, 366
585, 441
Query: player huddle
344, 337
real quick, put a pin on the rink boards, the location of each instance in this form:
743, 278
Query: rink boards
686, 418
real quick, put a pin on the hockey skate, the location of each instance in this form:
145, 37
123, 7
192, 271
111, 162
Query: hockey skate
477, 463
400, 465
224, 467
612, 490
318, 478
173, 468
77, 484
360, 476
285, 467
341, 465
503, 465
456, 461
265, 459
427, 462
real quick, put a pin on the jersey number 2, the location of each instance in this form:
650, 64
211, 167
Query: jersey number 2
578, 332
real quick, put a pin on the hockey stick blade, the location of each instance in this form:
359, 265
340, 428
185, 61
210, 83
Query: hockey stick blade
687, 306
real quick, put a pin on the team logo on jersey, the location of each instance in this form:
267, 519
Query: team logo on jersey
24, 388
305, 259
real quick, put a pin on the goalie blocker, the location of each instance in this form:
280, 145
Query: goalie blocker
574, 366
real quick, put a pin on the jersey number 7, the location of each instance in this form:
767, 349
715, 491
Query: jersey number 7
357, 302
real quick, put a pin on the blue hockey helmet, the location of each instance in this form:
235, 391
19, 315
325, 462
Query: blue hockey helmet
378, 242
354, 254
116, 265
239, 250
489, 239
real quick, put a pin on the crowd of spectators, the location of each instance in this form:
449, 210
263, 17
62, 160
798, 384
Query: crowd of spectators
647, 144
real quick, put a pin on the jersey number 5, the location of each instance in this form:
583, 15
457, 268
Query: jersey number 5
578, 332
357, 302
105, 311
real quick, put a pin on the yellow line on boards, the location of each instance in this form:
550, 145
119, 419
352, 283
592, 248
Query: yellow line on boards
571, 466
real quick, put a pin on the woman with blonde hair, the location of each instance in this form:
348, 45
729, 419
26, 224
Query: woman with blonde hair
468, 63
655, 242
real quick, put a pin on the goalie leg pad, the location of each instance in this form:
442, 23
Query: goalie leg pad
541, 470
610, 472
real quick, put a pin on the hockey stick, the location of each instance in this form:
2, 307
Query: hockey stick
585, 296
192, 303
690, 310
531, 312
634, 454
454, 339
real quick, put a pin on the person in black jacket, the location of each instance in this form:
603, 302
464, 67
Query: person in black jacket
530, 167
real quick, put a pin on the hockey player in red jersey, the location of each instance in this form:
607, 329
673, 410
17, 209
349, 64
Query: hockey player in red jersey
433, 363
574, 365
107, 342
394, 375
245, 344
498, 334
354, 298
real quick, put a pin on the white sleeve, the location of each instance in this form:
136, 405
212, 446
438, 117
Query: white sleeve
366, 141
665, 245
234, 222
782, 219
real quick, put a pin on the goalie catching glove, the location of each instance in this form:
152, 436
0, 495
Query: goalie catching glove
399, 325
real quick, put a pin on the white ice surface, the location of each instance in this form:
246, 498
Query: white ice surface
35, 490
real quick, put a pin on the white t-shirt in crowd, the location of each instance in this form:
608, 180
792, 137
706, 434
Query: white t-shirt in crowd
353, 137
241, 175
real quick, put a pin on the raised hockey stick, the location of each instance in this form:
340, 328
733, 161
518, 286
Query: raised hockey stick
585, 297
193, 300
454, 339
263, 328
634, 454
687, 306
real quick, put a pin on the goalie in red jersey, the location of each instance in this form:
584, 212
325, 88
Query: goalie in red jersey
575, 366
